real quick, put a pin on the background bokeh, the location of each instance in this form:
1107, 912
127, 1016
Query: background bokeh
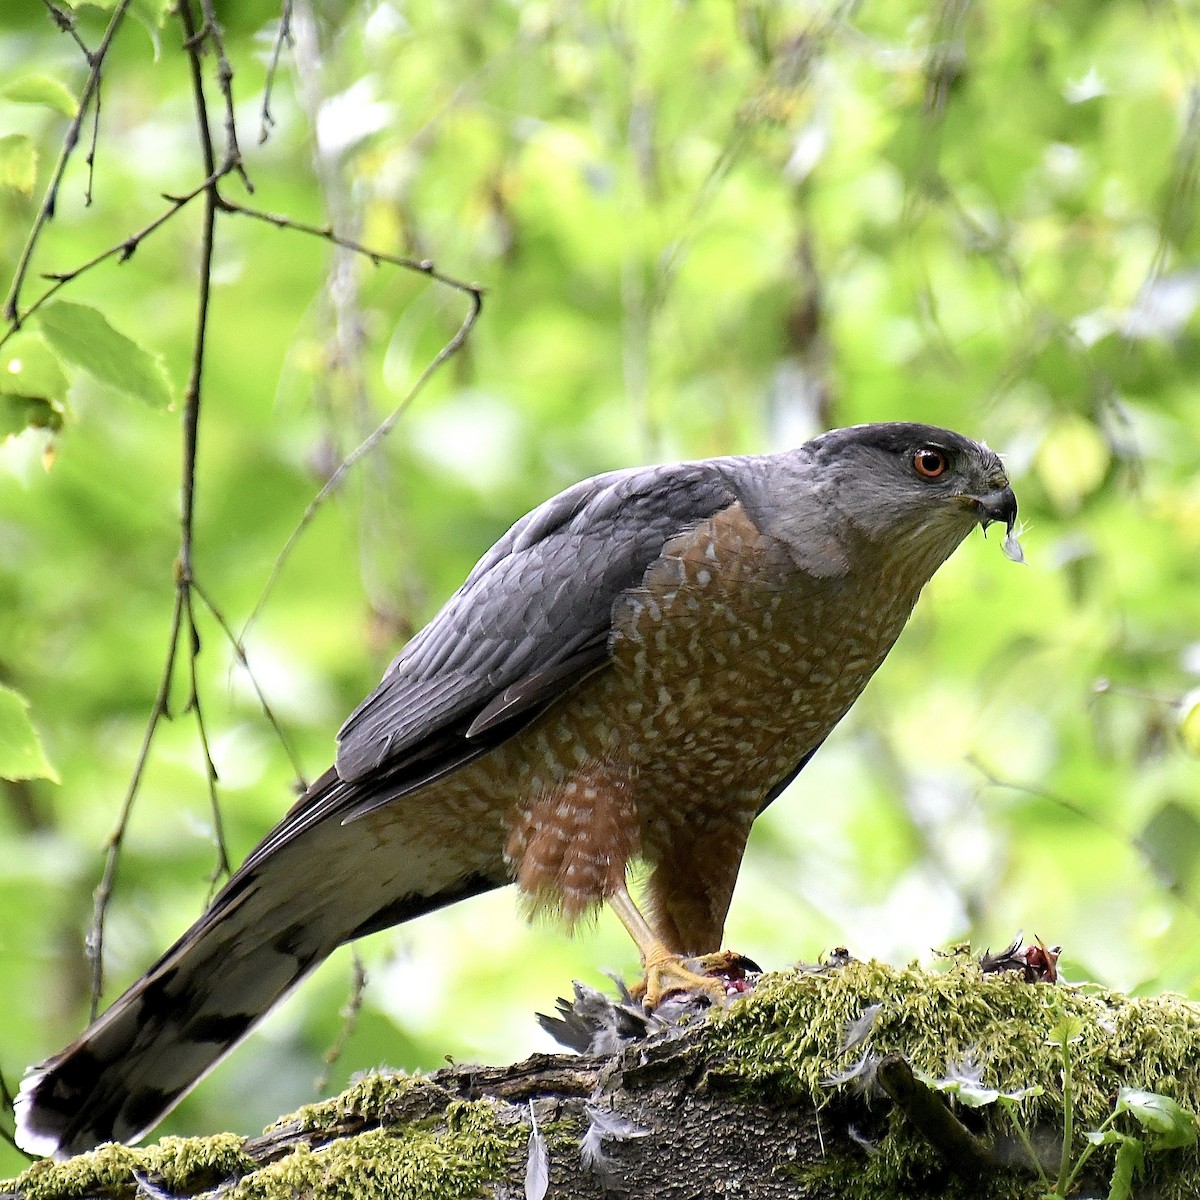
703, 228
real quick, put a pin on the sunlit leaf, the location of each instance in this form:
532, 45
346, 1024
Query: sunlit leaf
1171, 840
21, 753
83, 336
1072, 461
41, 89
18, 163
1129, 1162
28, 367
1066, 1030
1172, 1124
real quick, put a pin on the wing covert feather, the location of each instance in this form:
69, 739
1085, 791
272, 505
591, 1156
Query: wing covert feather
533, 616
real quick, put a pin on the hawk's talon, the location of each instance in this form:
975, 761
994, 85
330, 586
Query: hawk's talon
718, 976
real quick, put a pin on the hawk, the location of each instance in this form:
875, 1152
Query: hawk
632, 673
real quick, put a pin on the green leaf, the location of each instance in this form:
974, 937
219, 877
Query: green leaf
1130, 1159
1173, 1124
28, 367
975, 1095
1105, 1137
21, 753
150, 14
18, 163
1067, 1029
41, 89
1171, 840
83, 336
18, 413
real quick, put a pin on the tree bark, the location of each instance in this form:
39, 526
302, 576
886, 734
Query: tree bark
832, 1082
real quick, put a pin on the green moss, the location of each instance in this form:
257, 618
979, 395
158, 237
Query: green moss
460, 1159
397, 1137
182, 1164
791, 1031
789, 1035
382, 1098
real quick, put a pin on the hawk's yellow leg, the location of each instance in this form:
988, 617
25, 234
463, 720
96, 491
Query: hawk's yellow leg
666, 971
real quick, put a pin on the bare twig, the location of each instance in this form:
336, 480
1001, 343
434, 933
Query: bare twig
194, 390
472, 291
367, 445
66, 21
91, 154
243, 660
184, 566
349, 1015
222, 868
112, 858
183, 617
423, 266
122, 250
283, 37
213, 33
12, 309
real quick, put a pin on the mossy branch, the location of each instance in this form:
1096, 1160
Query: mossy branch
740, 1102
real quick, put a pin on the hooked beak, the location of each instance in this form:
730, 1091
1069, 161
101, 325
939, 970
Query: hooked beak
998, 505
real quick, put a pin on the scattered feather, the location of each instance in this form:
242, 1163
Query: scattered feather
857, 1031
605, 1125
860, 1139
537, 1169
1012, 548
861, 1072
965, 1069
593, 1023
147, 1188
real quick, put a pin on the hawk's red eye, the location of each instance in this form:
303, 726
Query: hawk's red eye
930, 463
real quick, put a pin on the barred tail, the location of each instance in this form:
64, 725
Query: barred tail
278, 919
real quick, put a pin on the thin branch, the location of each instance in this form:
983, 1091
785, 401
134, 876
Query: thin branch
103, 893
124, 250
214, 34
192, 399
367, 445
191, 414
349, 1015
70, 140
426, 267
423, 266
91, 154
283, 36
184, 564
222, 868
66, 21
243, 660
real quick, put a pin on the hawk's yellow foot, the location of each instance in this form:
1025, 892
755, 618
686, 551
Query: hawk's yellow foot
718, 976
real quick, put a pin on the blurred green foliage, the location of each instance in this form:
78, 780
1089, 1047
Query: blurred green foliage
703, 228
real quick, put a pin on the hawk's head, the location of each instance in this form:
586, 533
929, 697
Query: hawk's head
915, 491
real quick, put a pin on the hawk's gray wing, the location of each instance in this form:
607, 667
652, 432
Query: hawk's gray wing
533, 616
531, 620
